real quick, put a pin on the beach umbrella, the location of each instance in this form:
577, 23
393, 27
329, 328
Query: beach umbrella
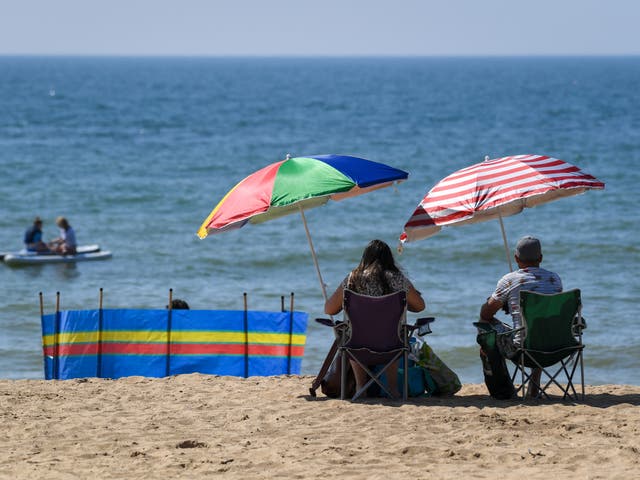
295, 185
494, 189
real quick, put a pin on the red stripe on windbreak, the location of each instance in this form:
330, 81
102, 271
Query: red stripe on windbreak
72, 349
176, 349
234, 349
134, 348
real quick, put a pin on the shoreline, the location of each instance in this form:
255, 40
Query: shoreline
196, 426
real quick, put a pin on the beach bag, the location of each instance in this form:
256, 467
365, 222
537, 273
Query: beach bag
494, 366
330, 384
436, 372
418, 386
417, 382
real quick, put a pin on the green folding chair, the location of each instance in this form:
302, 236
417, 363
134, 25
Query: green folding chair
552, 331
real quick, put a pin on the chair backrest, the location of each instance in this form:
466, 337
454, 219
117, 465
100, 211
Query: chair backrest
549, 319
375, 321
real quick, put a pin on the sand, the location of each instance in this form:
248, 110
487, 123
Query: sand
199, 426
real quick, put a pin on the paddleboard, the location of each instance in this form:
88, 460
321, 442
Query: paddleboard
18, 259
80, 249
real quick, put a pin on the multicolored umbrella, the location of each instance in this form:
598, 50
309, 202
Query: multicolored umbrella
495, 189
294, 185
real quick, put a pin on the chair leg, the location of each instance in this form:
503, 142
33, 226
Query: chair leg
374, 377
523, 385
516, 371
570, 379
567, 366
531, 379
405, 376
581, 373
343, 377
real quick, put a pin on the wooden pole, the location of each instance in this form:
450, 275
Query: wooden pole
246, 336
56, 340
290, 336
100, 322
44, 345
169, 315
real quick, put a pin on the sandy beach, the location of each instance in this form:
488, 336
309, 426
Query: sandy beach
198, 426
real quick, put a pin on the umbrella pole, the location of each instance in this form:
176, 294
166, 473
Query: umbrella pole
313, 254
334, 348
504, 239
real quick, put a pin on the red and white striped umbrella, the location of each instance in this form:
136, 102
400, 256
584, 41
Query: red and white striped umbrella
495, 189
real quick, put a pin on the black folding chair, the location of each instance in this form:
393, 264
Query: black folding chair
373, 333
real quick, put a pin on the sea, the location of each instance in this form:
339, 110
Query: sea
136, 152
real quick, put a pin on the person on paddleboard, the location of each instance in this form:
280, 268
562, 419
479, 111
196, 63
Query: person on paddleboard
66, 243
33, 237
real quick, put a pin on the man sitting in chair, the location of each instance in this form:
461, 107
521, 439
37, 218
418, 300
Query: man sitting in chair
529, 276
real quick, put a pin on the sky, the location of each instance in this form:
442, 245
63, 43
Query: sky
319, 28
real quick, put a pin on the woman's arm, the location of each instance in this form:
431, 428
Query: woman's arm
415, 302
333, 304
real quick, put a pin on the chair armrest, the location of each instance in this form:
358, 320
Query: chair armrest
511, 332
484, 326
423, 325
326, 322
487, 327
579, 324
425, 321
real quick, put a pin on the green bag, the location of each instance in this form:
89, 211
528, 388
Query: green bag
446, 381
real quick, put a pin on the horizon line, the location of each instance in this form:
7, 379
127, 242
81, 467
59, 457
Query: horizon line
311, 56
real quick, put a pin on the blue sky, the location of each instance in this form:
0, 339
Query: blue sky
328, 27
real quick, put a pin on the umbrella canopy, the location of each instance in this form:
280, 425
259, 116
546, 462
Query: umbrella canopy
294, 185
495, 189
289, 185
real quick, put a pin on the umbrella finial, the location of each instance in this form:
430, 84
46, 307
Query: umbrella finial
486, 158
288, 156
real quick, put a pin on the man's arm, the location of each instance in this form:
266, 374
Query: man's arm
489, 309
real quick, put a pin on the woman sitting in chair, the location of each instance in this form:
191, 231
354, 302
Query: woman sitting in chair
376, 275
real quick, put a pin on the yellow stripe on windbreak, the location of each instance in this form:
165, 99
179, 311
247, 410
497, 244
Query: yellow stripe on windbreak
148, 336
190, 336
177, 336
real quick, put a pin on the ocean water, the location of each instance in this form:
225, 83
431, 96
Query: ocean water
137, 151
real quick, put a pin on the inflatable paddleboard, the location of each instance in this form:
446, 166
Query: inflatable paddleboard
85, 253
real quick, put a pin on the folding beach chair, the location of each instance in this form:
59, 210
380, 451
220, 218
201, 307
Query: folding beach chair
374, 333
552, 336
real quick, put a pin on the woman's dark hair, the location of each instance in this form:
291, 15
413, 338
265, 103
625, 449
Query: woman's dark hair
377, 259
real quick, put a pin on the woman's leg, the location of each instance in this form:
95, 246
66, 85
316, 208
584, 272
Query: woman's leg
360, 374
